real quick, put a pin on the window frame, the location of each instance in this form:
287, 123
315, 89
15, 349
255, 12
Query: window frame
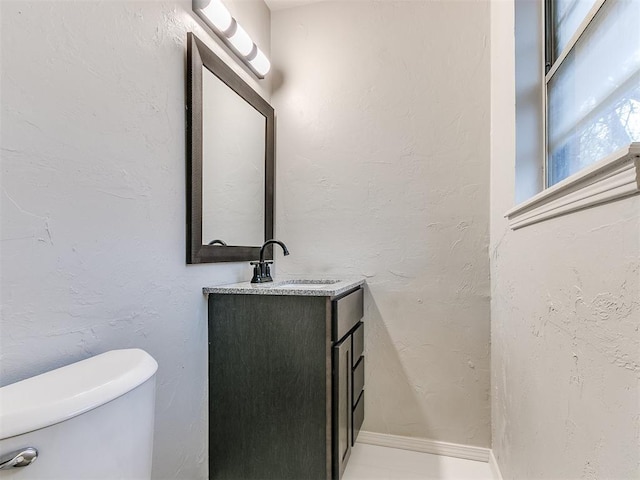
614, 177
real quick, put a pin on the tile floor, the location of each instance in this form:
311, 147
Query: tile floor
371, 462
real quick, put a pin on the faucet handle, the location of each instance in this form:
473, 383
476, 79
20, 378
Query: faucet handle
257, 272
266, 276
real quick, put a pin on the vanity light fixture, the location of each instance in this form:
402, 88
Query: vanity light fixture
218, 18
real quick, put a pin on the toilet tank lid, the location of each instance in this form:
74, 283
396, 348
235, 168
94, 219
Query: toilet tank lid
66, 392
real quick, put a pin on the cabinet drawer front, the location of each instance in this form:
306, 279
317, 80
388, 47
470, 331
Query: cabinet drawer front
358, 343
358, 418
358, 380
347, 312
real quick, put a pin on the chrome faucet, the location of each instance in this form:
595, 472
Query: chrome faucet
261, 269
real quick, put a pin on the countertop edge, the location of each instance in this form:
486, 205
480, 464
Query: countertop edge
246, 288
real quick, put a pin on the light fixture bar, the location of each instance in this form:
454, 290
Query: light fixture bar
216, 16
241, 40
217, 13
260, 62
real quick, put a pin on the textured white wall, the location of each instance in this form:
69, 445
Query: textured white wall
565, 319
93, 200
382, 171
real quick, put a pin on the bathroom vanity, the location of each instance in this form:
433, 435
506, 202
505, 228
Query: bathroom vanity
286, 379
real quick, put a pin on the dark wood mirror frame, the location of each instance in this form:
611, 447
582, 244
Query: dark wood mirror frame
199, 56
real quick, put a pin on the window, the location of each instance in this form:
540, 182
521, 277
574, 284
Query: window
592, 82
578, 118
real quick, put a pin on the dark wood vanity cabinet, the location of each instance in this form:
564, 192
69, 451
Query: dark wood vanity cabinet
286, 380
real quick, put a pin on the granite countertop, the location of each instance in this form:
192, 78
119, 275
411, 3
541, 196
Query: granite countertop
302, 287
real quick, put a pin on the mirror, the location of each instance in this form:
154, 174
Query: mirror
230, 162
233, 203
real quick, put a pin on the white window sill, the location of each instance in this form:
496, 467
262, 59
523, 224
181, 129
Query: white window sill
614, 177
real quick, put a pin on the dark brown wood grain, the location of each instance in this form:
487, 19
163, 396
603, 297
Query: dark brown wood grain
347, 312
342, 401
358, 418
358, 380
268, 386
281, 392
358, 343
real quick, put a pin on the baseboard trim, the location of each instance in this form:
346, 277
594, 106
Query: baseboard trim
493, 464
468, 452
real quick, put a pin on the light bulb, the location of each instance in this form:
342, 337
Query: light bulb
219, 15
241, 41
260, 63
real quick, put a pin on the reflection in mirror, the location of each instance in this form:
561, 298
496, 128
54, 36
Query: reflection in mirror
230, 162
233, 152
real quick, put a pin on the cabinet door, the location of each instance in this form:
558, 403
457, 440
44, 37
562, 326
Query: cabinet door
342, 403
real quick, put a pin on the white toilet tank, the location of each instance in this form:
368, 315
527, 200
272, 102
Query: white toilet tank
89, 420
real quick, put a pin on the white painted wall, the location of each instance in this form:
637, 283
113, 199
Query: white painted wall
382, 171
93, 200
565, 318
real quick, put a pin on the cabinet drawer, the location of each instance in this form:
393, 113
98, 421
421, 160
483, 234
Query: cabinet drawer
347, 312
358, 418
358, 380
358, 343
